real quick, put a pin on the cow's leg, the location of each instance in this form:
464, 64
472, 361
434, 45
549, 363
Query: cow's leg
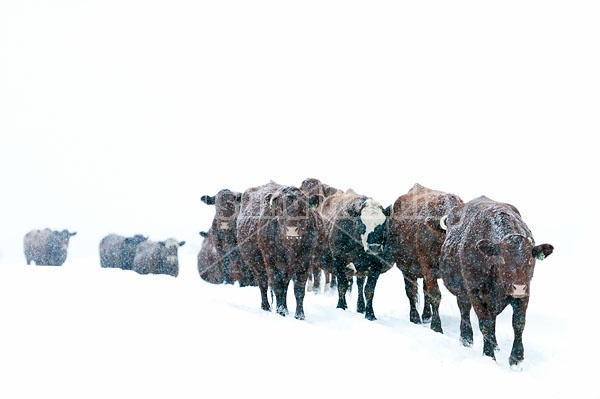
466, 330
342, 284
327, 285
360, 303
369, 293
317, 280
333, 280
280, 289
411, 288
518, 322
432, 291
299, 291
488, 329
257, 266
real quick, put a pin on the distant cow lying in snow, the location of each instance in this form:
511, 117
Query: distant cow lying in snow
157, 257
119, 251
47, 247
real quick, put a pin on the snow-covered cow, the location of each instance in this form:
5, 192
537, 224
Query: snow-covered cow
416, 238
277, 230
47, 247
356, 231
119, 251
487, 261
223, 234
157, 257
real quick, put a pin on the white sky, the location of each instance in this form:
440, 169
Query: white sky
116, 116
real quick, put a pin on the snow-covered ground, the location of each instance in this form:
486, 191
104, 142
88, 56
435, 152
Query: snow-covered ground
83, 331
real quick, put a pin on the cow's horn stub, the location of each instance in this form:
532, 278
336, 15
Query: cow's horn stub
443, 222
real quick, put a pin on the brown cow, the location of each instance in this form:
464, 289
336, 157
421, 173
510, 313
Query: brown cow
224, 237
47, 247
356, 231
487, 261
416, 239
310, 187
277, 229
209, 268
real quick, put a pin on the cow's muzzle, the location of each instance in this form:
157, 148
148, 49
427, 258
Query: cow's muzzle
519, 291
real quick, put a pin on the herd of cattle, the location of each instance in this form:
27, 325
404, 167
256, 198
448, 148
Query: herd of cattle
273, 234
49, 248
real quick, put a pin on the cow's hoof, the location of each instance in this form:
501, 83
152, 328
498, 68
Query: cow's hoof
468, 342
299, 316
518, 366
437, 327
370, 317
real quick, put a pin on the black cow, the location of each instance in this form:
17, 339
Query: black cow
276, 235
47, 247
356, 231
119, 251
487, 261
157, 257
223, 235
209, 267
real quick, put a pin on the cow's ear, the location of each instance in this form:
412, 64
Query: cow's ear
315, 200
208, 200
182, 243
204, 234
328, 190
73, 233
162, 243
487, 247
387, 211
354, 210
542, 251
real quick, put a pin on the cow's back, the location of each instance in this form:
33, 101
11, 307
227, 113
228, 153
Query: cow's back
415, 233
110, 248
252, 216
480, 218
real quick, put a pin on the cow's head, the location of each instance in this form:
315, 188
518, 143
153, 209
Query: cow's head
312, 186
293, 207
62, 237
372, 219
171, 245
443, 204
227, 204
513, 260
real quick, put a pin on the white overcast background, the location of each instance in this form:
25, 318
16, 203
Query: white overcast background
116, 116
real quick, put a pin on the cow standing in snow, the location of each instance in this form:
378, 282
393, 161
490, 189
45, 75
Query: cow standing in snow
487, 262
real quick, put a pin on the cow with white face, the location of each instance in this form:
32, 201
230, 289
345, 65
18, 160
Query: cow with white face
356, 230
